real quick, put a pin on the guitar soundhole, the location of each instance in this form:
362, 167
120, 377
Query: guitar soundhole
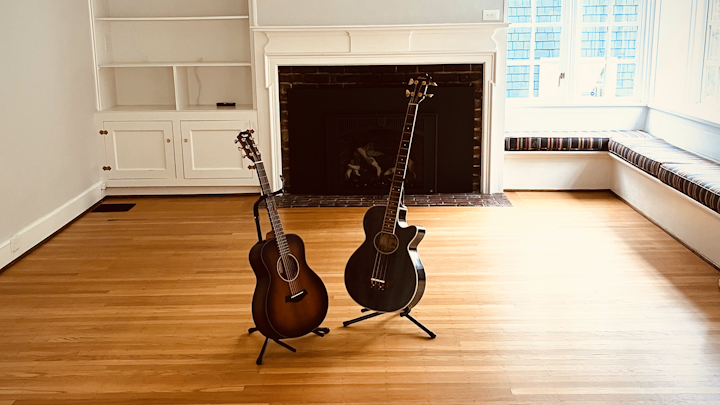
386, 243
291, 273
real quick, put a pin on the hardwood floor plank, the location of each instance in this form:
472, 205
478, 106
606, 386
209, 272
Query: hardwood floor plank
569, 298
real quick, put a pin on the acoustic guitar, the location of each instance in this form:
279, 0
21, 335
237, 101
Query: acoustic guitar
385, 273
290, 300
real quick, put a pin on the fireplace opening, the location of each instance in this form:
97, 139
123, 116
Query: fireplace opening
343, 138
362, 151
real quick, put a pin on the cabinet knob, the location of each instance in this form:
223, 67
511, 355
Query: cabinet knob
185, 140
167, 140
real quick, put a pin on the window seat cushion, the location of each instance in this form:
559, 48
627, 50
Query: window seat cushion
650, 154
566, 140
699, 181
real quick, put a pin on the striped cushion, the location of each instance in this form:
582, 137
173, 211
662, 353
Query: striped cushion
650, 154
700, 181
566, 140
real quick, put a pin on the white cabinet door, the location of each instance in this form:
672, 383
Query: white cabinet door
210, 152
140, 150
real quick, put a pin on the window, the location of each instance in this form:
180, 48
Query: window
534, 47
711, 56
599, 39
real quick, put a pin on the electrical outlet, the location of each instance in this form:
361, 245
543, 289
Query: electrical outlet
14, 244
491, 15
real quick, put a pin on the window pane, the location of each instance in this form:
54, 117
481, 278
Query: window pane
548, 11
625, 10
595, 10
536, 80
713, 46
547, 42
519, 11
711, 83
625, 80
590, 79
715, 15
623, 42
593, 42
518, 43
518, 81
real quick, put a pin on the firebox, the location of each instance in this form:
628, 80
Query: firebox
362, 149
344, 137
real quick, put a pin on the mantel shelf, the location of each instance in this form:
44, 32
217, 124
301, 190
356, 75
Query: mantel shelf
170, 64
219, 17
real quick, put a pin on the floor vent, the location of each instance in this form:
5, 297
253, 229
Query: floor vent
113, 207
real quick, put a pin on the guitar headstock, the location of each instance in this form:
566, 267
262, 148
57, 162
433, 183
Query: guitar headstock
248, 145
420, 89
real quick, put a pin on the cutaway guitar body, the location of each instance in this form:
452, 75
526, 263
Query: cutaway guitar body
280, 310
391, 280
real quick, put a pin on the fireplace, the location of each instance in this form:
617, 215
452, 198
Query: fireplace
341, 127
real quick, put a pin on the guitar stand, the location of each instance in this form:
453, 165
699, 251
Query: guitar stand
405, 313
318, 331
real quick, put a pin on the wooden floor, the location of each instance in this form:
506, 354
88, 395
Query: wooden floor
569, 298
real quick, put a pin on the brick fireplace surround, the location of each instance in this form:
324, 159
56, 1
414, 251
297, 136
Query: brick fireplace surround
379, 76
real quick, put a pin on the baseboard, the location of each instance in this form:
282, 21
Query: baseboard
183, 190
44, 227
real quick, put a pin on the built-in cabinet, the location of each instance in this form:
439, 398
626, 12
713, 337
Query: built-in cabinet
161, 68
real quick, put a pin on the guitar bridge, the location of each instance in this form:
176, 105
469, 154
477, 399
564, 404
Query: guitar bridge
296, 297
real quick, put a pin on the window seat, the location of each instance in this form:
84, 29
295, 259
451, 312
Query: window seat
675, 188
566, 140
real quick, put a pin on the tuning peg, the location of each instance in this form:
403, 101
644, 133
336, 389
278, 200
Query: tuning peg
237, 141
411, 81
432, 83
251, 131
407, 93
429, 95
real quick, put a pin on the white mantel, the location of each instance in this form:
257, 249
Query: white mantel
383, 45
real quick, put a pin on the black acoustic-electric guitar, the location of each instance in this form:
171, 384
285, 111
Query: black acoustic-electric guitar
290, 300
385, 273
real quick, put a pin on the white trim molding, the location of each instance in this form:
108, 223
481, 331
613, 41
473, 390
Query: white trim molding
33, 234
384, 45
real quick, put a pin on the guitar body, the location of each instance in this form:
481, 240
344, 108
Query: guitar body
276, 314
402, 271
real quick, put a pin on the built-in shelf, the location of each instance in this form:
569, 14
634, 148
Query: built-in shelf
221, 17
154, 108
172, 55
239, 107
171, 64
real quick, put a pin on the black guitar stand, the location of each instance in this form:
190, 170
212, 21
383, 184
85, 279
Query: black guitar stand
405, 313
318, 331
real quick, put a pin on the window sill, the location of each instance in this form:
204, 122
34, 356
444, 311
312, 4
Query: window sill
511, 104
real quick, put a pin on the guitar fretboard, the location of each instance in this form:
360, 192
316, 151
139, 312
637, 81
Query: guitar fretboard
272, 210
398, 178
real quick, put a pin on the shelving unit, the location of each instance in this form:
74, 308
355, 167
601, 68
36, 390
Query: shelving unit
162, 65
172, 54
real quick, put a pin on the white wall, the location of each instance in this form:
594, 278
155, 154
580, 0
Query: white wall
48, 148
574, 118
372, 12
674, 113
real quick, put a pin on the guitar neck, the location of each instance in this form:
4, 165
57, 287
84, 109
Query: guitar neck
271, 206
401, 163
